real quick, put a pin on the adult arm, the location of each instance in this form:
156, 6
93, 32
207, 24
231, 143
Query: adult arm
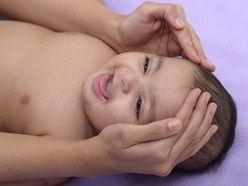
25, 157
158, 28
118, 148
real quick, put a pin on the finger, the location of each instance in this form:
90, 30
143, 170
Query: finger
194, 124
154, 131
184, 38
210, 132
188, 106
212, 129
195, 145
188, 40
144, 141
205, 124
198, 48
205, 63
199, 111
196, 117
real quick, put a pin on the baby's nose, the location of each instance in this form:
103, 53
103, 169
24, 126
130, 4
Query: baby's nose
129, 82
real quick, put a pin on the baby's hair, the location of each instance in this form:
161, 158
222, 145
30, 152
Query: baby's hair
225, 118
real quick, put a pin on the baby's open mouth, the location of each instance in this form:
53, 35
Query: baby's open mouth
103, 85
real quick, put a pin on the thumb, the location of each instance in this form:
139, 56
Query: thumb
155, 131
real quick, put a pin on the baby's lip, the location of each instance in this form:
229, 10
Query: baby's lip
103, 84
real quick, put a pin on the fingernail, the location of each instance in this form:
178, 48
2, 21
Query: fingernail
211, 64
174, 125
214, 108
207, 97
214, 130
208, 61
179, 22
198, 92
199, 60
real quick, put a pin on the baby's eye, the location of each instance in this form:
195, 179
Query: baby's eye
138, 106
146, 64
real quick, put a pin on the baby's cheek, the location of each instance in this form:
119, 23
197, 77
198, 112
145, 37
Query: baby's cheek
118, 116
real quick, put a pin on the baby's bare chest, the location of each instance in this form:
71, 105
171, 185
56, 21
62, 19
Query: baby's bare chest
45, 102
43, 94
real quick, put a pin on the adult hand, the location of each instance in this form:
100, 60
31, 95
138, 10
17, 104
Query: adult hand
160, 28
157, 147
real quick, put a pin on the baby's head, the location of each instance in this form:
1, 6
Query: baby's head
139, 88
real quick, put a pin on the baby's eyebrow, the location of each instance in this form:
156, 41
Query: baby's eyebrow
160, 62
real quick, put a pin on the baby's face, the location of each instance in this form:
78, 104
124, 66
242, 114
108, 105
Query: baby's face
136, 88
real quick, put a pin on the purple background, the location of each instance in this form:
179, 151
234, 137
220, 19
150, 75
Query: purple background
222, 27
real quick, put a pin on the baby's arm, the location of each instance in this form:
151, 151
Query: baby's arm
38, 159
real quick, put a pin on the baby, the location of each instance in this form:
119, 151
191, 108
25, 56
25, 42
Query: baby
62, 85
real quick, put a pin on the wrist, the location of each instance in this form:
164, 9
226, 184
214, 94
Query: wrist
90, 158
110, 34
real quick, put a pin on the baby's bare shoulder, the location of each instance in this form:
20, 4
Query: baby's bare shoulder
28, 30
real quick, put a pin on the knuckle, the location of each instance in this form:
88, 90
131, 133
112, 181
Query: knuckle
200, 112
172, 8
123, 135
163, 171
180, 7
166, 173
194, 144
160, 154
145, 7
146, 4
192, 135
159, 157
187, 29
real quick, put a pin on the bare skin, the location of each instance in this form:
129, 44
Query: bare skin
26, 92
41, 78
65, 68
